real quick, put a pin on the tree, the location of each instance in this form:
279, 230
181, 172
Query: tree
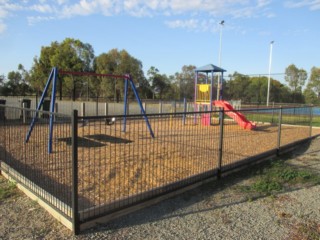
296, 79
237, 87
310, 96
314, 81
69, 55
117, 63
158, 82
17, 83
185, 80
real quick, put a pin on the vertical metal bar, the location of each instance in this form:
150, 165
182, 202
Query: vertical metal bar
125, 105
279, 132
75, 208
97, 106
311, 117
220, 143
106, 109
272, 112
184, 110
195, 97
24, 111
160, 106
83, 109
52, 105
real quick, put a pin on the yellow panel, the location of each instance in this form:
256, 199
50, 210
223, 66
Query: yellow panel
204, 87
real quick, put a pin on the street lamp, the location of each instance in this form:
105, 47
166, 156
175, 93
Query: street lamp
269, 78
220, 48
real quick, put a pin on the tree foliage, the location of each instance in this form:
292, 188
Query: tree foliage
185, 80
117, 63
69, 55
314, 81
296, 79
254, 89
17, 83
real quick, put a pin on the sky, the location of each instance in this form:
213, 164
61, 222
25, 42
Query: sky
169, 34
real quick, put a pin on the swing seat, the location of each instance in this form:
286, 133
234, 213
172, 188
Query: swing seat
110, 121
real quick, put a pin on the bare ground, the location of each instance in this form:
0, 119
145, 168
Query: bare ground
218, 210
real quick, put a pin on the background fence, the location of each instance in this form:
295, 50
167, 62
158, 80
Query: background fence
96, 168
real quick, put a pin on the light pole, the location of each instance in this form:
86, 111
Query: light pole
269, 78
220, 48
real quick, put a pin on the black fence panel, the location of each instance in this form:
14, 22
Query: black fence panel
47, 175
103, 164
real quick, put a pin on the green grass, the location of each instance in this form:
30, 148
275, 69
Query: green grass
268, 118
7, 189
316, 121
278, 176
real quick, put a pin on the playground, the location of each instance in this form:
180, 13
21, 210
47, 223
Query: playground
108, 163
114, 165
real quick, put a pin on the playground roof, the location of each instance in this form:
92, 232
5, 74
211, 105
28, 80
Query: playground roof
210, 68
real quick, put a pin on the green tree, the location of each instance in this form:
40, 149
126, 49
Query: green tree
314, 81
296, 79
17, 83
237, 87
310, 96
159, 82
117, 63
185, 80
69, 55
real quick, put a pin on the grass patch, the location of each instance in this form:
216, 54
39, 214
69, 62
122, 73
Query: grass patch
7, 189
316, 121
278, 176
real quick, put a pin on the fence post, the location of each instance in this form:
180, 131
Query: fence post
24, 112
75, 210
279, 131
106, 109
144, 105
184, 110
311, 117
97, 106
56, 110
160, 106
221, 113
83, 109
175, 106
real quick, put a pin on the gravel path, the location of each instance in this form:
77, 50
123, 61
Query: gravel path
217, 210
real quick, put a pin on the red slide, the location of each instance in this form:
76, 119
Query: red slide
237, 116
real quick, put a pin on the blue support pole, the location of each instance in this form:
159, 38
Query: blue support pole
39, 105
52, 105
125, 104
141, 107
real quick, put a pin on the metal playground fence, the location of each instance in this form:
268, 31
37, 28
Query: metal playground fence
101, 167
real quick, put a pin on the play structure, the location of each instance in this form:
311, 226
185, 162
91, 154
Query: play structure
204, 85
53, 78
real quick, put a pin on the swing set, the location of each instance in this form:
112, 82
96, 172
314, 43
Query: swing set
53, 78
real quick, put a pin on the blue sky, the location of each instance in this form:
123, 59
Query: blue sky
168, 34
